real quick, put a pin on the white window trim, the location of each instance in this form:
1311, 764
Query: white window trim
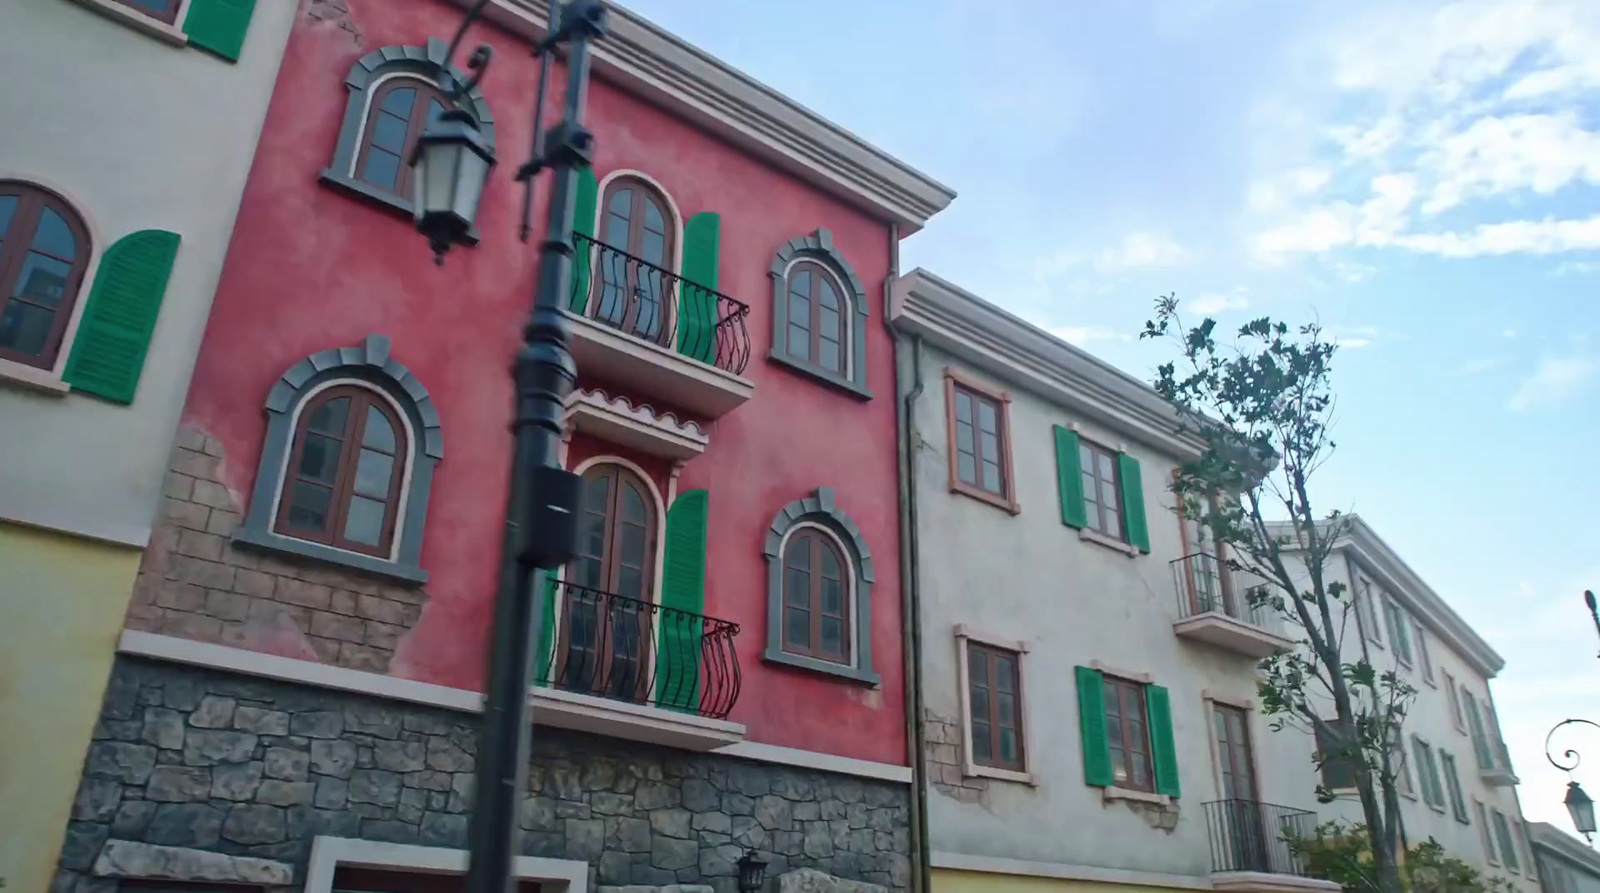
329, 853
970, 767
1247, 705
366, 110
172, 34
1486, 831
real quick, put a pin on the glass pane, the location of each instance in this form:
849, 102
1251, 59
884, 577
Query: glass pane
797, 627
1008, 745
963, 407
991, 477
363, 523
1111, 696
319, 458
1090, 488
832, 597
398, 102
832, 636
981, 748
8, 208
980, 701
1108, 493
1086, 460
828, 354
830, 562
966, 468
987, 420
797, 587
633, 545
1113, 522
799, 341
964, 437
1006, 706
978, 666
379, 434
653, 222
633, 511
830, 297
53, 236
617, 234
382, 168
374, 470
991, 446
25, 328
621, 203
1005, 674
1106, 470
630, 583
799, 552
800, 311
829, 322
587, 573
653, 248
389, 133
308, 506
1141, 773
43, 280
800, 288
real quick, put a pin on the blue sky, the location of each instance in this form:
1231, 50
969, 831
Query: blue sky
1420, 177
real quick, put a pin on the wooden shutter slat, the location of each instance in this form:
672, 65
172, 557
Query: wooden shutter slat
219, 25
683, 586
1133, 518
1163, 751
1092, 725
697, 305
583, 223
114, 332
1069, 484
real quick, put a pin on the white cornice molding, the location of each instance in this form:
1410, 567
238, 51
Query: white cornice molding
1548, 836
1065, 871
662, 68
1022, 354
620, 420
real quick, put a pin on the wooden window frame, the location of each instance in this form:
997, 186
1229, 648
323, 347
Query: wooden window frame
1188, 549
955, 379
813, 357
16, 242
643, 191
168, 16
610, 560
343, 485
821, 539
1221, 708
1097, 451
966, 640
426, 90
1121, 682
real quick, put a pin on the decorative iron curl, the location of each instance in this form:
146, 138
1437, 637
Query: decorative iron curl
1568, 754
477, 63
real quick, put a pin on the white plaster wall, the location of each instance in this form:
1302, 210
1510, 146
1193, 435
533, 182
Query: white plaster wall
139, 134
1028, 577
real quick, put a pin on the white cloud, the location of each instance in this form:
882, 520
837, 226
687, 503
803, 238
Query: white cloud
1477, 367
1212, 303
1555, 381
1142, 250
1576, 268
1375, 222
1352, 337
1350, 271
1082, 335
1546, 236
1496, 155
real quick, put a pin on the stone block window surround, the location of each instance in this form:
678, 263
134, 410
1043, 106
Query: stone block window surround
989, 672
393, 90
819, 313
978, 440
817, 520
386, 539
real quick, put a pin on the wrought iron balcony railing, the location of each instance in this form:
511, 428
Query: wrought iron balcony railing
1247, 835
1204, 586
629, 650
638, 298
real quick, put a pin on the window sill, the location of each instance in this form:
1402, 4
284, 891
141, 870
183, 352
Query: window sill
1095, 536
33, 378
1115, 793
999, 502
171, 35
1438, 809
266, 540
828, 668
821, 375
378, 196
1409, 796
974, 770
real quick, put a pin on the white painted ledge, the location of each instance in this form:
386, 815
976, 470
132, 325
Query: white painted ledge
32, 378
328, 853
811, 759
1262, 882
127, 15
636, 722
1067, 871
659, 372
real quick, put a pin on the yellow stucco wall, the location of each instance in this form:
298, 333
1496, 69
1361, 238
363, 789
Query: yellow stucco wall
948, 881
62, 601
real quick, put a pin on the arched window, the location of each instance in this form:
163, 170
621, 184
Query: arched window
607, 627
816, 584
342, 483
818, 318
819, 590
44, 249
400, 108
819, 313
636, 219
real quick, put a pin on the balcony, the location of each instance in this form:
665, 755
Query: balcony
1494, 762
1250, 847
657, 334
631, 669
1210, 611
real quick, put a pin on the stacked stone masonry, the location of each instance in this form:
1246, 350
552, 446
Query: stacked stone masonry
942, 753
193, 582
200, 759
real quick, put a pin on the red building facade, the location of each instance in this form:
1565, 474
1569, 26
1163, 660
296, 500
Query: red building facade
329, 551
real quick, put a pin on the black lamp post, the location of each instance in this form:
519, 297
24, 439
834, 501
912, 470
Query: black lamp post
752, 872
452, 163
1594, 612
1578, 804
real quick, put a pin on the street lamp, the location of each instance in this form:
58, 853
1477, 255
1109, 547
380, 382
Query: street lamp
1594, 612
1581, 808
753, 872
451, 162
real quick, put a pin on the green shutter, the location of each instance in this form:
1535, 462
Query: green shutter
1069, 479
583, 224
697, 306
683, 587
1163, 753
1133, 502
114, 333
1092, 723
547, 630
219, 25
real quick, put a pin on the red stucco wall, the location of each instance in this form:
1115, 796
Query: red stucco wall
312, 268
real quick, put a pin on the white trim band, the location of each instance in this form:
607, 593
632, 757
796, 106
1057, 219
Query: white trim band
328, 853
1065, 871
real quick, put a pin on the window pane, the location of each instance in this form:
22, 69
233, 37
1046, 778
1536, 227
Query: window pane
398, 102
991, 477
653, 222
363, 523
1006, 709
43, 280
832, 597
991, 446
8, 208
1005, 673
617, 237
379, 434
830, 297
319, 458
800, 311
799, 551
1106, 470
832, 636
1086, 462
1108, 493
25, 328
630, 583
828, 354
978, 666
980, 701
964, 437
797, 588
987, 420
53, 236
799, 341
653, 248
389, 133
966, 468
308, 506
1113, 523
1008, 745
797, 627
374, 471
981, 748
633, 510
633, 545
329, 418
963, 407
1091, 489
830, 322
382, 168
800, 289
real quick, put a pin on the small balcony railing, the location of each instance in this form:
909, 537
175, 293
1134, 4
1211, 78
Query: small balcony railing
638, 298
624, 649
1204, 586
1247, 835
